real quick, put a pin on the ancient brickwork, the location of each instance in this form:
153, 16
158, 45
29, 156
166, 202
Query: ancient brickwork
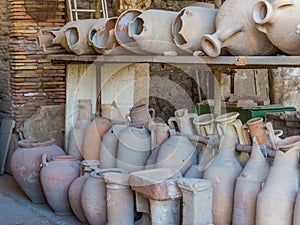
34, 80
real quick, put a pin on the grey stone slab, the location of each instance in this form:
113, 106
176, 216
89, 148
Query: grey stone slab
6, 129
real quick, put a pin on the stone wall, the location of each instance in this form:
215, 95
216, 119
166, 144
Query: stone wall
5, 94
34, 80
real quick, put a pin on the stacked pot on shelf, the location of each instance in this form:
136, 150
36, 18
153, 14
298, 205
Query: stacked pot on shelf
244, 27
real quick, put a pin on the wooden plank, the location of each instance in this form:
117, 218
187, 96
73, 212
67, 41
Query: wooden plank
6, 129
225, 61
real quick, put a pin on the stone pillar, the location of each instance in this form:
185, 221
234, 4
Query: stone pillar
120, 205
197, 201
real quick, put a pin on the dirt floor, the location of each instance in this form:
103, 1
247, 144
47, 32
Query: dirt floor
17, 209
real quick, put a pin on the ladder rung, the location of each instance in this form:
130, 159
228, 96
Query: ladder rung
83, 10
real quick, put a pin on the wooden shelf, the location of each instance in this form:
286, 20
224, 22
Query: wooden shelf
219, 62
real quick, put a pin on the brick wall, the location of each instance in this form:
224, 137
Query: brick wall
5, 95
34, 80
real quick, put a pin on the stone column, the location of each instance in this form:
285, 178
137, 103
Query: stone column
197, 201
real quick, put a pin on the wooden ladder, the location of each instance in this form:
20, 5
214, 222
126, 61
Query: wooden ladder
100, 8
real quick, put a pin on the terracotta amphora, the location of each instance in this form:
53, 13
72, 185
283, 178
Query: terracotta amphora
279, 21
77, 36
102, 35
57, 176
248, 185
118, 191
134, 148
152, 31
92, 137
109, 146
183, 120
112, 112
121, 30
74, 193
275, 203
234, 28
296, 217
177, 153
76, 136
223, 171
93, 196
140, 115
264, 132
191, 24
25, 165
288, 142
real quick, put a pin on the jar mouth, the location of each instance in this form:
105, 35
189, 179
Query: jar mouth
98, 173
64, 158
255, 121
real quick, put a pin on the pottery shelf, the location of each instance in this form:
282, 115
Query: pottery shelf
217, 66
221, 62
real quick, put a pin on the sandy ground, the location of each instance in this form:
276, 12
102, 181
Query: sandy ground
17, 209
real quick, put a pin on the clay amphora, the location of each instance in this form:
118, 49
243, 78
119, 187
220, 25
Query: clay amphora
152, 31
204, 124
275, 203
279, 20
248, 186
121, 30
93, 196
92, 137
109, 147
223, 171
140, 115
234, 28
177, 153
183, 121
133, 149
225, 124
200, 19
74, 193
102, 35
25, 165
56, 178
296, 218
112, 112
77, 36
118, 191
288, 142
160, 132
76, 136
263, 132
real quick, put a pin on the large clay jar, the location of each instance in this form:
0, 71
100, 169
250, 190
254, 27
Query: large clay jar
77, 36
92, 137
275, 203
248, 186
183, 120
121, 30
223, 171
109, 146
177, 153
234, 28
102, 35
152, 31
25, 165
140, 115
202, 21
74, 193
133, 149
93, 197
56, 178
279, 20
76, 136
296, 218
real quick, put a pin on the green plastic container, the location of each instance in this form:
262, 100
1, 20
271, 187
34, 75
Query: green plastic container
247, 112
